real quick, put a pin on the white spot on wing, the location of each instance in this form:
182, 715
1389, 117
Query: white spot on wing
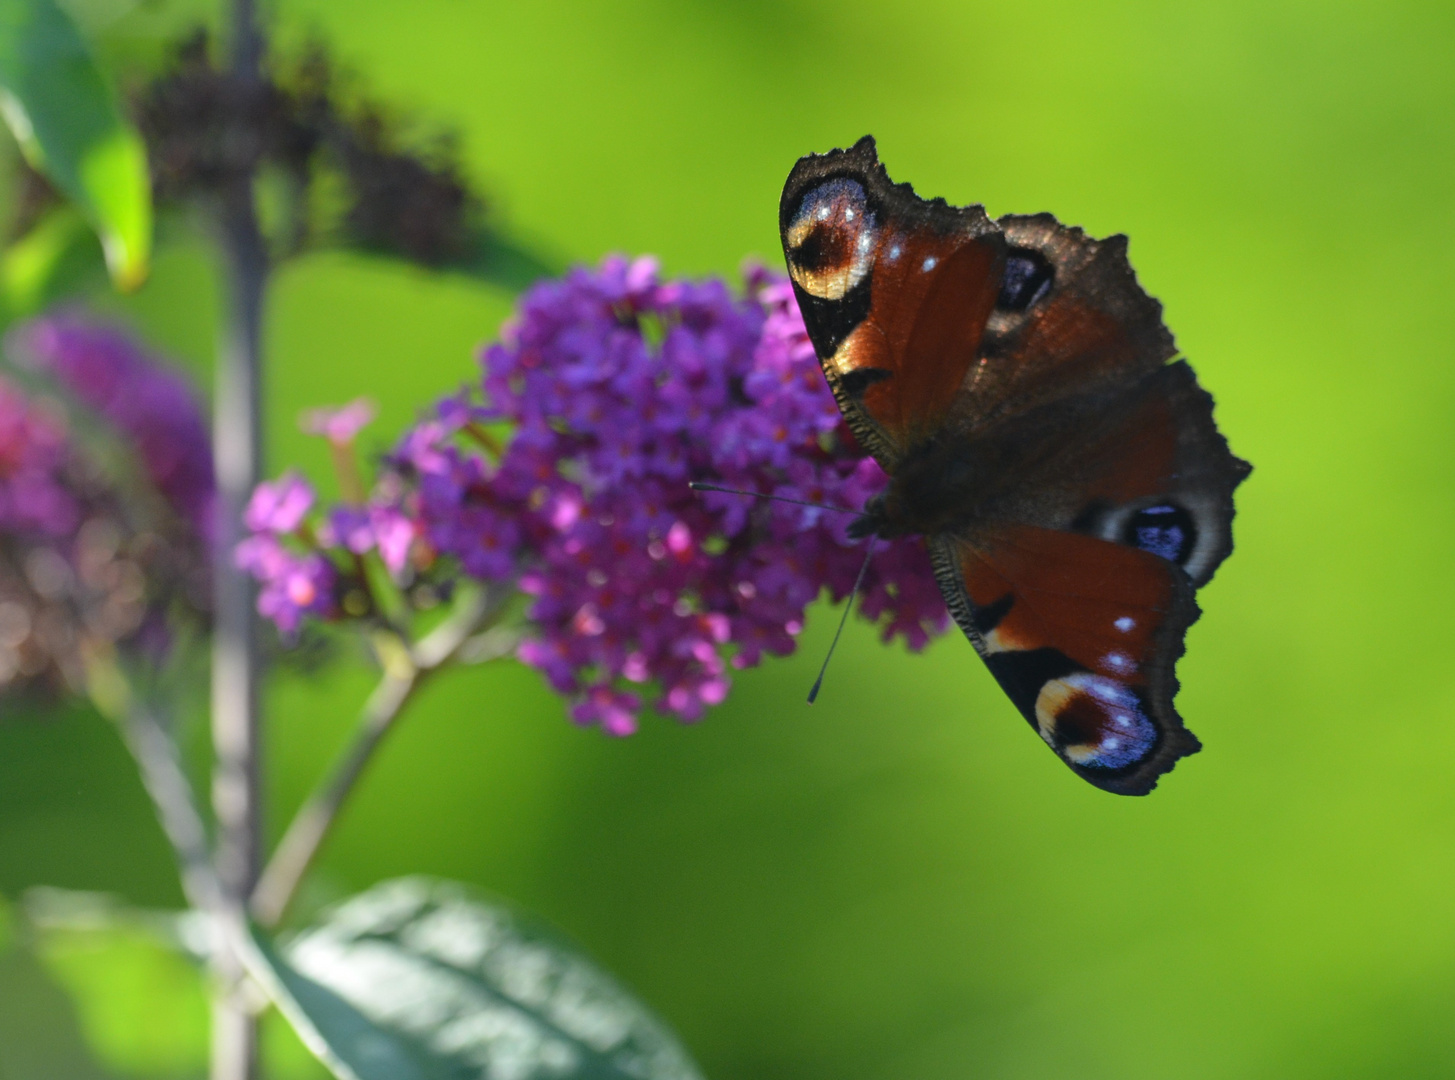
930, 263
1125, 623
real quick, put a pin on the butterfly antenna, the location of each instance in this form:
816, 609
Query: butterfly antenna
858, 583
695, 486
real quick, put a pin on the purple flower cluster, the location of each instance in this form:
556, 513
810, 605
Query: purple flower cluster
92, 557
152, 407
565, 473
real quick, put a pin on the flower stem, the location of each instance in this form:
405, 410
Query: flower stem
301, 843
346, 468
237, 451
405, 670
171, 792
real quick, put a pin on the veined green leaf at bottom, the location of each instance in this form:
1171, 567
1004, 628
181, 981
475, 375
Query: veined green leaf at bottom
419, 979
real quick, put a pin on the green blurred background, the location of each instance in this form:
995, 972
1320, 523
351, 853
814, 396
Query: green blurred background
901, 882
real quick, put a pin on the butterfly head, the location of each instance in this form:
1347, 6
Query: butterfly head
874, 521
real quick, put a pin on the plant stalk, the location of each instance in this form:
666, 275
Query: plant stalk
237, 451
405, 670
305, 836
172, 796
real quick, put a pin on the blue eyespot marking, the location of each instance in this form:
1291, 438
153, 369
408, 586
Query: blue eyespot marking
1165, 530
1094, 721
1026, 279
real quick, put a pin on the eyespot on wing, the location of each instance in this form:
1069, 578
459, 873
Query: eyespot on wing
831, 238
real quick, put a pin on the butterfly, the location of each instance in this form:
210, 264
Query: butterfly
1018, 387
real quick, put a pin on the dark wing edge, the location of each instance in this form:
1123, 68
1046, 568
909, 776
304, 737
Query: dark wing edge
830, 321
1205, 463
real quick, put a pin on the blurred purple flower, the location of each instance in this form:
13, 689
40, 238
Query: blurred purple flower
108, 372
81, 568
339, 425
361, 529
279, 506
37, 495
293, 584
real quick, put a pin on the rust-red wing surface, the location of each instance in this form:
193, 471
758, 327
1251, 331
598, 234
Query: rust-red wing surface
1072, 592
924, 328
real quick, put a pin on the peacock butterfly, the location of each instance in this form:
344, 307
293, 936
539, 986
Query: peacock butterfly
1013, 380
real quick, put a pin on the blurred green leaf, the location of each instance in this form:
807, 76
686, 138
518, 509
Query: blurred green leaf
40, 1038
136, 978
419, 979
139, 999
501, 261
57, 252
67, 123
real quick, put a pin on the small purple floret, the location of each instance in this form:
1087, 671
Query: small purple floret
293, 585
278, 506
339, 425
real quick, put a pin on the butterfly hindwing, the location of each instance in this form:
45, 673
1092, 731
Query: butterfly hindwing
895, 292
1082, 634
1079, 598
1144, 466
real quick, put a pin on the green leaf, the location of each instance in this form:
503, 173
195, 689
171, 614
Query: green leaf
67, 123
138, 984
424, 980
40, 1035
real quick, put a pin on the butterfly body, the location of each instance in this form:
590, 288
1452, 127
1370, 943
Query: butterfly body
1013, 380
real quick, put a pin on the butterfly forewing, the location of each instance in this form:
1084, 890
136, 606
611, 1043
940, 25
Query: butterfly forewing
895, 293
1070, 319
